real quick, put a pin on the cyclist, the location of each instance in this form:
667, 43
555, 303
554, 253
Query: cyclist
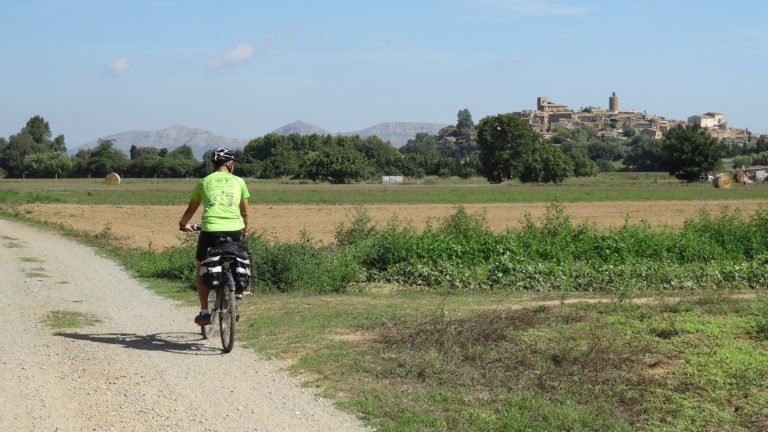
224, 197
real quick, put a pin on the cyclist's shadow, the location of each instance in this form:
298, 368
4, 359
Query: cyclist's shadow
169, 342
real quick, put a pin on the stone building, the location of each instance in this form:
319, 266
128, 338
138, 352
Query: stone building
710, 120
613, 103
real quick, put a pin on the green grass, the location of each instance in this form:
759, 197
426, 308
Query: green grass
411, 361
65, 319
177, 192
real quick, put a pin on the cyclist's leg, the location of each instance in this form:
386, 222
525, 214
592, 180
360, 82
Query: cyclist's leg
202, 289
204, 317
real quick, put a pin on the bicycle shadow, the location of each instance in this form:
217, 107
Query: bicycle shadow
168, 342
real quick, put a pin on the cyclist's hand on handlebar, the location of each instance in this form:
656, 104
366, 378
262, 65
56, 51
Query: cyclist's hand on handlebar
189, 227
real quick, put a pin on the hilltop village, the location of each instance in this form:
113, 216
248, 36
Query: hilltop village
549, 116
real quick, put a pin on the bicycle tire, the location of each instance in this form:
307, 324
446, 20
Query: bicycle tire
228, 313
213, 304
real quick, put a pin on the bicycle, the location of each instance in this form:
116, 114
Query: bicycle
222, 297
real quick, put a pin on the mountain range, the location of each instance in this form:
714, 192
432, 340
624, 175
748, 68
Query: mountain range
201, 140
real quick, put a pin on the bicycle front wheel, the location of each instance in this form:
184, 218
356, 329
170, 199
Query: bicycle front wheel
228, 313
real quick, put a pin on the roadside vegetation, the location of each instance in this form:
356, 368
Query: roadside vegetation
550, 326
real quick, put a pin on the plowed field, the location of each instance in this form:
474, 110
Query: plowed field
155, 227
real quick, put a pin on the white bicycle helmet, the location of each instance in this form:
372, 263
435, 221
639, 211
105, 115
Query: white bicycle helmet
222, 155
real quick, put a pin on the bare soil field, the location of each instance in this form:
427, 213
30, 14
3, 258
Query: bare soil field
155, 227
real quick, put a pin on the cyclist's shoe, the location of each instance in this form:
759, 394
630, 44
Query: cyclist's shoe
203, 319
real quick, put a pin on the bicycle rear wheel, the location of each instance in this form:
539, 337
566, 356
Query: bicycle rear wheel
228, 313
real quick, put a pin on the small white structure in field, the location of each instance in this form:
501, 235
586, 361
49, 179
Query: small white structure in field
112, 179
391, 179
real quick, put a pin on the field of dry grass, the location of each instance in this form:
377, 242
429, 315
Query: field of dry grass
147, 226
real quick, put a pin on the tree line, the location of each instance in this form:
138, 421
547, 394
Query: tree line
499, 148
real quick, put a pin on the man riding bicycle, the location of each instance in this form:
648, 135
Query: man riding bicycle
224, 197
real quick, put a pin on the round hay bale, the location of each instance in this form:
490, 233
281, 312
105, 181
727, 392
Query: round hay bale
722, 181
742, 177
112, 179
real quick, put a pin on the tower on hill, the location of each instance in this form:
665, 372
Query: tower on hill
613, 103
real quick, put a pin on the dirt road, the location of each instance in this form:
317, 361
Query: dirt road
143, 367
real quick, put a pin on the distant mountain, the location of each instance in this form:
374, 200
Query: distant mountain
301, 128
398, 133
199, 140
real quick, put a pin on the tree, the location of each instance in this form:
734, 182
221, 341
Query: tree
740, 162
34, 137
175, 167
584, 166
422, 151
464, 123
58, 145
762, 144
645, 155
182, 152
384, 157
144, 165
18, 147
104, 159
338, 165
139, 152
38, 129
46, 165
503, 140
546, 163
422, 144
690, 153
613, 151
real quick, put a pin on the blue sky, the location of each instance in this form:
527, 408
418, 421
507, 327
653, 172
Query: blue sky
243, 68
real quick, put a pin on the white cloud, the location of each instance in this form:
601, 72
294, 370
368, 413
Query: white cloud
536, 7
234, 57
118, 66
245, 51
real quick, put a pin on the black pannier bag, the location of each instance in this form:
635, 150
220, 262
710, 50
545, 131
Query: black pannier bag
234, 252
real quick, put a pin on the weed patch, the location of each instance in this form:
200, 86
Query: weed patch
62, 319
30, 260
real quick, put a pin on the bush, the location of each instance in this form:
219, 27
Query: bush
301, 266
461, 253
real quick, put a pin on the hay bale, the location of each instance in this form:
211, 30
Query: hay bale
742, 177
112, 179
723, 181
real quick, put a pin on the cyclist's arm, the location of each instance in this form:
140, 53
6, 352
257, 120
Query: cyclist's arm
244, 213
188, 213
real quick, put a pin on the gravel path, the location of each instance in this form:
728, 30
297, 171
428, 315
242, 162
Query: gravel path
143, 367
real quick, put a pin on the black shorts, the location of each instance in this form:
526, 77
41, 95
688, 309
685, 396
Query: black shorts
209, 239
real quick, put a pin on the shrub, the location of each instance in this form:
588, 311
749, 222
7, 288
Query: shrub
301, 266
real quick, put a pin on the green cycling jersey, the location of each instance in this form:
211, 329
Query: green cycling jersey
220, 194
